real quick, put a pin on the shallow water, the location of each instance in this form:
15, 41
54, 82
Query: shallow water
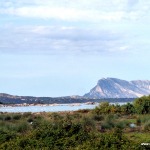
51, 108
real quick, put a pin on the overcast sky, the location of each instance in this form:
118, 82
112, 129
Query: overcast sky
63, 47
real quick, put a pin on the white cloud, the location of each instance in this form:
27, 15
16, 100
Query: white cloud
58, 40
69, 14
89, 10
112, 25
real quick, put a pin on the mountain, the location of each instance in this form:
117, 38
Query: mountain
117, 88
107, 89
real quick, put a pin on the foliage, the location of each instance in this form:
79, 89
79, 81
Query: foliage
98, 117
142, 105
128, 108
105, 127
103, 108
16, 116
147, 126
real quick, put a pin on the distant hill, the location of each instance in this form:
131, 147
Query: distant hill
13, 99
117, 88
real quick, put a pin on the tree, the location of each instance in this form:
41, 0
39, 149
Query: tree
142, 105
103, 108
128, 108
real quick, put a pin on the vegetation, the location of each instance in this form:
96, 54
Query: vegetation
142, 105
105, 127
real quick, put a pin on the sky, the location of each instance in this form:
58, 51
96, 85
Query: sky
63, 47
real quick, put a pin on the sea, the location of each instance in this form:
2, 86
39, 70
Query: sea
50, 108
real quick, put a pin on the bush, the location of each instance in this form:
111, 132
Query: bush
83, 110
144, 118
107, 125
121, 124
7, 118
147, 126
98, 117
109, 122
22, 127
103, 108
1, 117
30, 120
88, 124
27, 114
6, 136
142, 105
128, 108
110, 118
138, 121
16, 116
55, 116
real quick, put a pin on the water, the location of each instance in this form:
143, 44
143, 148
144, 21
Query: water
55, 108
50, 108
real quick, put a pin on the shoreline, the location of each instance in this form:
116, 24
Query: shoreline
43, 105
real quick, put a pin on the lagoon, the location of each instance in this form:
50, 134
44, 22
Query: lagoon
50, 108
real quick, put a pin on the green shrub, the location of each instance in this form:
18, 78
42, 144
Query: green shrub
56, 116
147, 126
30, 120
110, 117
88, 124
22, 127
109, 122
65, 131
6, 136
16, 117
144, 118
107, 125
116, 116
27, 114
138, 121
98, 117
127, 108
142, 105
121, 124
76, 116
83, 110
7, 118
1, 117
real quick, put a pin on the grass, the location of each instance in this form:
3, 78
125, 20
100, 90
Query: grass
139, 137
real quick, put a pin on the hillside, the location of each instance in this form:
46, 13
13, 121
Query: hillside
13, 99
117, 88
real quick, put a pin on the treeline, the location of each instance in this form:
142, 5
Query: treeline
139, 106
105, 127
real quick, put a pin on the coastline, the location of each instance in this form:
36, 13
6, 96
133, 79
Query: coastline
43, 105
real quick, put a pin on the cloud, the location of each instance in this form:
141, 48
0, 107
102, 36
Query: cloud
57, 40
73, 33
66, 14
91, 11
87, 26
